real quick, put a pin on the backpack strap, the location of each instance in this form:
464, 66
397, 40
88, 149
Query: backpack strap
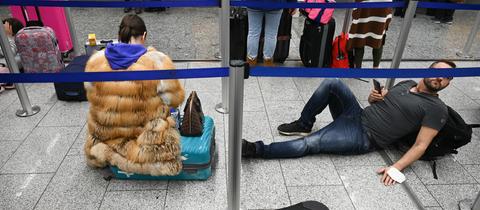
474, 125
434, 169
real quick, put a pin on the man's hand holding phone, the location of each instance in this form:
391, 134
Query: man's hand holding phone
378, 93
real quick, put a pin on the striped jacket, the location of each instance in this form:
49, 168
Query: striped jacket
369, 26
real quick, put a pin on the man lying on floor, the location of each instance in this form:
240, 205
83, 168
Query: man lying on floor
392, 114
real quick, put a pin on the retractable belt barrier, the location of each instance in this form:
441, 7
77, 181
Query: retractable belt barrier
224, 72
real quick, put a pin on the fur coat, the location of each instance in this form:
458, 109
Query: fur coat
129, 122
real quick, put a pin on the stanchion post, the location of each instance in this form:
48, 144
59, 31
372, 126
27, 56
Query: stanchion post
348, 19
225, 52
27, 109
471, 38
476, 204
235, 121
402, 39
73, 35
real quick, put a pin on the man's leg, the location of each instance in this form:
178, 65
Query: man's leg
332, 92
343, 136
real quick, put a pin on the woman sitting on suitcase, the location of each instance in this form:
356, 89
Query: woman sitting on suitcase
129, 123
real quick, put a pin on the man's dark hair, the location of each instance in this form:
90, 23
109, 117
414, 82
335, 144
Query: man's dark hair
131, 26
450, 63
15, 23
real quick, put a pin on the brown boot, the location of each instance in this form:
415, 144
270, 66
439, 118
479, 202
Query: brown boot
268, 62
251, 62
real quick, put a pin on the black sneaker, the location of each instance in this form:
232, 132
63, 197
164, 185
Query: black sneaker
293, 129
127, 9
249, 149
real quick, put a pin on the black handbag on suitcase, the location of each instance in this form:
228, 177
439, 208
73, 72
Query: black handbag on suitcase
316, 44
73, 91
284, 35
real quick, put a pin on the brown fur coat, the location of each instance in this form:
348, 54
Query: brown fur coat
129, 123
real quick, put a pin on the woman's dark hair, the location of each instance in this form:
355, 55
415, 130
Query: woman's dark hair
450, 63
15, 23
131, 26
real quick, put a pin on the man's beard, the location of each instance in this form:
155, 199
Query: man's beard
431, 87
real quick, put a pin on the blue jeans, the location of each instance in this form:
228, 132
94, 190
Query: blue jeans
345, 135
272, 20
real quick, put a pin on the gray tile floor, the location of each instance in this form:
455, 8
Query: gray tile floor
42, 164
41, 157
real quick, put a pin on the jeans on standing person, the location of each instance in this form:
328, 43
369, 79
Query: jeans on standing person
345, 135
272, 20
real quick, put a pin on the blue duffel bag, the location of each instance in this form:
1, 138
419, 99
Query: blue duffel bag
198, 153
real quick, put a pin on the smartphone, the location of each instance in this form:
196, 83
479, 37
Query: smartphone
377, 86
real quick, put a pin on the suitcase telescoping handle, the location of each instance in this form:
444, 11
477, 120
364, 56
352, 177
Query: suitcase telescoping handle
28, 21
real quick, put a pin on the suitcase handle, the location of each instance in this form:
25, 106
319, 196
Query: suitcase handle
27, 19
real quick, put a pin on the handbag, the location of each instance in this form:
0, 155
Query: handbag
192, 122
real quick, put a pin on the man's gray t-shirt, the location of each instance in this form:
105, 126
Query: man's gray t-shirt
403, 112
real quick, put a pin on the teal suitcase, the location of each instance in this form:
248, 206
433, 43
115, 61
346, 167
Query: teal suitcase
198, 153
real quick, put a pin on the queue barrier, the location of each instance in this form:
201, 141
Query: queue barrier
236, 70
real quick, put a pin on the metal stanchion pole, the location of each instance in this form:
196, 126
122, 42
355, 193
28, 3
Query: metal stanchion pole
471, 38
27, 109
235, 121
225, 52
347, 21
73, 35
476, 204
402, 39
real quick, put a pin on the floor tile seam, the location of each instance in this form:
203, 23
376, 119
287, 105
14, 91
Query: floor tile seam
424, 185
317, 185
18, 147
343, 184
59, 126
26, 137
466, 95
166, 194
104, 193
265, 110
449, 184
137, 190
473, 177
58, 167
9, 174
285, 182
298, 91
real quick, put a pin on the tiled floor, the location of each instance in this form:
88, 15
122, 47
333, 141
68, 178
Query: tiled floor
42, 164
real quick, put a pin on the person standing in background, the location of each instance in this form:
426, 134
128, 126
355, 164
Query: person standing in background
128, 9
445, 15
369, 27
272, 20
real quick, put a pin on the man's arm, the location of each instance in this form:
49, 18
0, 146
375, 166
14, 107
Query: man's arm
424, 138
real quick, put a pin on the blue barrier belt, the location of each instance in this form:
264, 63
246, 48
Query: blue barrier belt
113, 75
118, 4
362, 73
269, 5
432, 5
197, 3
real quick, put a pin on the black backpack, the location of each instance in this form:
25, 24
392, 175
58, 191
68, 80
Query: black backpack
454, 134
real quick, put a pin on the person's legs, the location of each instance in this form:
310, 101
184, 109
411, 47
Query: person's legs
255, 18
377, 56
343, 136
127, 9
331, 92
358, 56
272, 21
